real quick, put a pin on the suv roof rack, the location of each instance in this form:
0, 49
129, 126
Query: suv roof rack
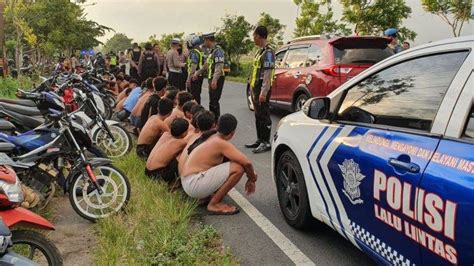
309, 38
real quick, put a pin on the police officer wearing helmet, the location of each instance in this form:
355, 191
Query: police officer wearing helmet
392, 34
215, 69
194, 62
261, 85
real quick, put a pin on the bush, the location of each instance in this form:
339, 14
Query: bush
9, 86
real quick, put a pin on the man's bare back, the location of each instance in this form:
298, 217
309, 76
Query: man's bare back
137, 110
207, 155
165, 150
152, 131
175, 114
190, 138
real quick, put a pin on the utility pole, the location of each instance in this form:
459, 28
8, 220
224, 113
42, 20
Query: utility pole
2, 38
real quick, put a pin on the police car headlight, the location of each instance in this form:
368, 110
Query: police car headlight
12, 191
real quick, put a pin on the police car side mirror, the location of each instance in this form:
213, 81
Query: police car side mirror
317, 108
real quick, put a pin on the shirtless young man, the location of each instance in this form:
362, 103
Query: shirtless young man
204, 121
162, 162
205, 171
154, 128
183, 97
122, 97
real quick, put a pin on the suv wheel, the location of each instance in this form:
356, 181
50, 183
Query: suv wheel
299, 102
292, 194
249, 99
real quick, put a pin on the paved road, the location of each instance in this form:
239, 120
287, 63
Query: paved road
247, 241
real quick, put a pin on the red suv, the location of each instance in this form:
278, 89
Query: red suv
313, 66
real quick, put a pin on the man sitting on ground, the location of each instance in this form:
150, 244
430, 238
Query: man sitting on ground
187, 109
162, 162
183, 97
206, 175
126, 105
150, 89
203, 121
154, 128
171, 93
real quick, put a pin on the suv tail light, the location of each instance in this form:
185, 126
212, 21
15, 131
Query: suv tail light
336, 70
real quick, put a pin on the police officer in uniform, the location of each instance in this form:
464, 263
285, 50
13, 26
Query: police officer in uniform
194, 62
215, 69
260, 84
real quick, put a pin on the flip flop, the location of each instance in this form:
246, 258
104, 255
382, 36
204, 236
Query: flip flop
237, 210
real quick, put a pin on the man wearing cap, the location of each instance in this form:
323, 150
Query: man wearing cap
174, 65
261, 84
195, 62
394, 46
215, 69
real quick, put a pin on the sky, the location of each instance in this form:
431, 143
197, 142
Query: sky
140, 19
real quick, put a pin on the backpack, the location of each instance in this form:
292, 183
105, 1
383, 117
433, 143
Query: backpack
149, 61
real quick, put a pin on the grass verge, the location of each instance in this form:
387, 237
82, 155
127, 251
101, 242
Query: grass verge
237, 79
157, 227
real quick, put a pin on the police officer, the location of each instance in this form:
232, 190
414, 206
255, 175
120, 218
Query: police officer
215, 69
174, 65
194, 62
394, 46
260, 84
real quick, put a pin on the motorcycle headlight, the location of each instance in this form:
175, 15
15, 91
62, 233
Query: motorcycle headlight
13, 191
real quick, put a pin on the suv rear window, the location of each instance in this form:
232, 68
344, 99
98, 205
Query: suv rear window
360, 55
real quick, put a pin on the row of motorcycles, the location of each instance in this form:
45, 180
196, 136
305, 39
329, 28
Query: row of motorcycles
57, 135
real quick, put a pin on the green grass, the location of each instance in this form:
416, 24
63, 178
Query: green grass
157, 227
9, 86
237, 79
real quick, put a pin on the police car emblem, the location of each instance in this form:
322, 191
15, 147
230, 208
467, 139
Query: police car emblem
352, 179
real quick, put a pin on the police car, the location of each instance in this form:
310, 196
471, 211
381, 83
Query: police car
387, 159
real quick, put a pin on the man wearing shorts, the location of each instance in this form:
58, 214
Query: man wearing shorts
162, 162
206, 175
154, 128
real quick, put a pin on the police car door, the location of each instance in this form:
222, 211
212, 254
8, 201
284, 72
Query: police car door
446, 235
374, 161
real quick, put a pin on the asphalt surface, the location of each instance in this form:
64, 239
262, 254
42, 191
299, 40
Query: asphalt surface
246, 240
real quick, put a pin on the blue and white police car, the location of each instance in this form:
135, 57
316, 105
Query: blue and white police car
387, 160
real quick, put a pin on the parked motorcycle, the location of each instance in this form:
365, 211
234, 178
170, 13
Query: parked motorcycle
96, 188
7, 257
26, 242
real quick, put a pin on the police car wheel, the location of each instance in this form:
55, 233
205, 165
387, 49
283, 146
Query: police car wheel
292, 194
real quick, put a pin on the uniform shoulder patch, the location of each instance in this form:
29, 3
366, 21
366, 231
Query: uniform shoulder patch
219, 55
268, 59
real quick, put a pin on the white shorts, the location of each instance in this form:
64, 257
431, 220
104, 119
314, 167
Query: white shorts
202, 185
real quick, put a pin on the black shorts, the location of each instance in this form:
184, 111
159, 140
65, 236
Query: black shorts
168, 173
144, 150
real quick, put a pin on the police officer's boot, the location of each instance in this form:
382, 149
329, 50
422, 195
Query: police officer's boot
263, 147
253, 145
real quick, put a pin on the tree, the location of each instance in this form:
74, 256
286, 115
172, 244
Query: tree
165, 41
372, 17
15, 13
118, 42
313, 21
454, 12
234, 38
275, 28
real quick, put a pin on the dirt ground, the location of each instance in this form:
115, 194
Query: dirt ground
74, 236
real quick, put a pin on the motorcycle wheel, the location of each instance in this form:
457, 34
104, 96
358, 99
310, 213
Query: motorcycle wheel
110, 100
86, 200
26, 243
114, 149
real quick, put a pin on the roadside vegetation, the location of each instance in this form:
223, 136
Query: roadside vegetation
9, 85
158, 227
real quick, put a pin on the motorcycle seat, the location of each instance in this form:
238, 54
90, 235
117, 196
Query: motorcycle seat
6, 147
6, 125
22, 102
20, 109
24, 121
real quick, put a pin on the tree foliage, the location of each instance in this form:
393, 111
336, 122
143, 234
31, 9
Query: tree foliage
372, 17
275, 28
165, 40
454, 12
312, 20
118, 42
233, 35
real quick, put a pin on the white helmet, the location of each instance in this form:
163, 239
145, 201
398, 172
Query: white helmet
193, 40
